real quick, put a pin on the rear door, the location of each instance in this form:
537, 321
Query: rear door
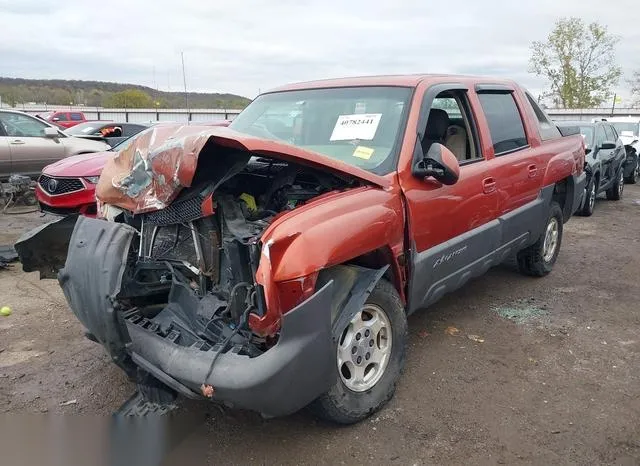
30, 150
618, 155
521, 150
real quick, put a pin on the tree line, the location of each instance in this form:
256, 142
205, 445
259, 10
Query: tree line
579, 63
111, 95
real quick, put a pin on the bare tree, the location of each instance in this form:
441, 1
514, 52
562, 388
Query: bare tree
578, 60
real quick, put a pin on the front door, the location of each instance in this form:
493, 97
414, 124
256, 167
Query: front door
30, 150
453, 229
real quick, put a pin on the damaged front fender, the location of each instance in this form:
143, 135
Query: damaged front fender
44, 249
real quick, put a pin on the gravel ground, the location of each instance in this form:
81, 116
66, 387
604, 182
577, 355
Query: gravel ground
551, 378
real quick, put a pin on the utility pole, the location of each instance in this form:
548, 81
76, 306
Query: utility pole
184, 79
613, 107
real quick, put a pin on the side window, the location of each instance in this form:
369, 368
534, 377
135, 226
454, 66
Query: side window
600, 135
130, 130
611, 133
450, 123
60, 117
17, 125
547, 129
76, 117
505, 122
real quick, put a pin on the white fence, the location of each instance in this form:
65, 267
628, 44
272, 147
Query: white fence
136, 115
143, 115
591, 113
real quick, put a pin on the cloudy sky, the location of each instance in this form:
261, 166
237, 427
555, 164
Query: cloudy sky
244, 46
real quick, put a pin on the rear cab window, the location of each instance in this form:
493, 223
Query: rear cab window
76, 117
546, 128
505, 122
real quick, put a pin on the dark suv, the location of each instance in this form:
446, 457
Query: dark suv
604, 163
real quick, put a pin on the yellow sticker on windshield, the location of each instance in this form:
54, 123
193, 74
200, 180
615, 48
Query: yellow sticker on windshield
363, 152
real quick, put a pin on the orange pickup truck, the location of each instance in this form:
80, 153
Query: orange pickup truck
271, 265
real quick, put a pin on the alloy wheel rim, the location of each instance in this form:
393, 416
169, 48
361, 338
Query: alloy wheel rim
621, 183
364, 349
550, 240
592, 196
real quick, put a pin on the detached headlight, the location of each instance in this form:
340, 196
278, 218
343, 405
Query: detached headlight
92, 179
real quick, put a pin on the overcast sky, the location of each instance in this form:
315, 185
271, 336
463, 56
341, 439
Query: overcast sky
243, 46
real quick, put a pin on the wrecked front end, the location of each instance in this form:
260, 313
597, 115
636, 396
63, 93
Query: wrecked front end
178, 292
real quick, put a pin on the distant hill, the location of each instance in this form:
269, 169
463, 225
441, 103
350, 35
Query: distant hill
101, 94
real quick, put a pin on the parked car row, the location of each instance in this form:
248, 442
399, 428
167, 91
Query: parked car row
611, 160
272, 265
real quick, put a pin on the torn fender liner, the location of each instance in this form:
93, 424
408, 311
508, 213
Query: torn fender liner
284, 379
44, 249
91, 279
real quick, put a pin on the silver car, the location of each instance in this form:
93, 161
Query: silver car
28, 144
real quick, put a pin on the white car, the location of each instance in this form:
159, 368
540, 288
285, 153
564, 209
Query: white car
28, 144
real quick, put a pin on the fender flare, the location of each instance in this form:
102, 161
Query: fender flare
352, 286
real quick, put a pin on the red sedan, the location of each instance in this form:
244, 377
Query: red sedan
68, 186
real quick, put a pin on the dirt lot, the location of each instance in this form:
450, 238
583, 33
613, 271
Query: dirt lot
556, 379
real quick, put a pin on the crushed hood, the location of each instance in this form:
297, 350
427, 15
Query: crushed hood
79, 165
150, 172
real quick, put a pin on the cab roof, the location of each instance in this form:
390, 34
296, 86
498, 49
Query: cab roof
403, 80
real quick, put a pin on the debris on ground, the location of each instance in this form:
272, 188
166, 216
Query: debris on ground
452, 331
68, 403
423, 334
521, 311
7, 255
18, 192
475, 338
5, 311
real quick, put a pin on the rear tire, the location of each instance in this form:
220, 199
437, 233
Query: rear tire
614, 193
633, 177
352, 398
538, 259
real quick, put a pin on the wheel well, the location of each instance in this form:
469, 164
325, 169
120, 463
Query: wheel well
377, 259
561, 193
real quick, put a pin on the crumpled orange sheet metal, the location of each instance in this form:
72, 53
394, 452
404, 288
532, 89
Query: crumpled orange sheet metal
150, 172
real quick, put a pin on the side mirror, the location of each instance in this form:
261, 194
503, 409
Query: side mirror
608, 145
55, 119
438, 163
51, 133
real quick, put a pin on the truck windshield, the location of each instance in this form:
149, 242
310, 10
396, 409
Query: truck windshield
361, 126
626, 126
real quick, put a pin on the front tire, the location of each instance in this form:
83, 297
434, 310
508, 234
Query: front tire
370, 354
614, 193
590, 199
538, 259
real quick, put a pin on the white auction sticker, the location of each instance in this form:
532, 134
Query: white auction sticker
362, 126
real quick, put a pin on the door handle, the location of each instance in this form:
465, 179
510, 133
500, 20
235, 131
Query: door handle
17, 142
488, 185
533, 171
